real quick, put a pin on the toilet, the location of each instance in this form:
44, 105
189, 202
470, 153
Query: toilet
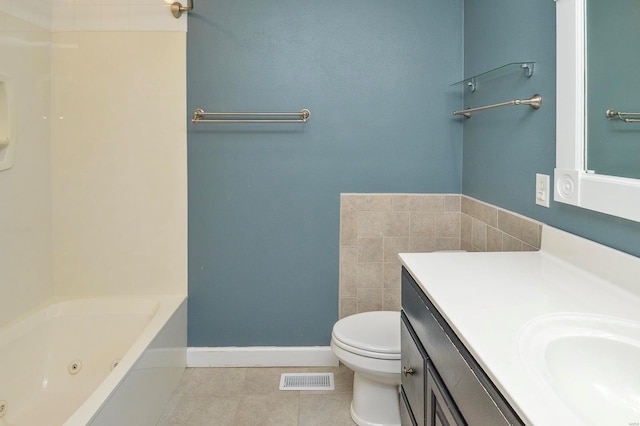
369, 344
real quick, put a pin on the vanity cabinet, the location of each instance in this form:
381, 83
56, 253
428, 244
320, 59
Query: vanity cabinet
442, 384
414, 371
426, 399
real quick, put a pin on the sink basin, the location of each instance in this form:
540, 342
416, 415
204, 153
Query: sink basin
592, 363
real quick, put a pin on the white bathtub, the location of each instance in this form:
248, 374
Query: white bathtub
92, 361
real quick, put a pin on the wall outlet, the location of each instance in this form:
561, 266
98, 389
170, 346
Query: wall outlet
542, 190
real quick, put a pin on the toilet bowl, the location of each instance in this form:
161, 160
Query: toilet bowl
369, 344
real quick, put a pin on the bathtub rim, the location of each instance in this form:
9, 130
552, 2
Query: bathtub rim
91, 407
160, 308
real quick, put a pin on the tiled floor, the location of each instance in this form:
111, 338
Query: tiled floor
250, 396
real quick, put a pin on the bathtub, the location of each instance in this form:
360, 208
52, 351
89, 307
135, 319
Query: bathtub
76, 362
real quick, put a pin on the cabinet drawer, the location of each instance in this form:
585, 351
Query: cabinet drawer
413, 371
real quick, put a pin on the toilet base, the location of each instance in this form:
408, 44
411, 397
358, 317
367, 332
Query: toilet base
374, 403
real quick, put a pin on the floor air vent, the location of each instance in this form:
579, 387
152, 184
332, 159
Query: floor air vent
307, 381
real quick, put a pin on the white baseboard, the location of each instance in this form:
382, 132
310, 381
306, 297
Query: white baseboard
262, 356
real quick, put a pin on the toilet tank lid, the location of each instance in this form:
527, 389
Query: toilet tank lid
377, 331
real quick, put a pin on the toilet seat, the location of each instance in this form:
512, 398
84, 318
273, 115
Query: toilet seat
371, 334
369, 344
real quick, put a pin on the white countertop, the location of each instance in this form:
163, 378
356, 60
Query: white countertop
491, 299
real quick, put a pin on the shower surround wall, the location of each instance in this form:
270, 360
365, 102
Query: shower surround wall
374, 228
119, 149
25, 191
95, 203
119, 163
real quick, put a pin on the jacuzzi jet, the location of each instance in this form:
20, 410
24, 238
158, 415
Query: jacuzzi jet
74, 367
115, 363
4, 406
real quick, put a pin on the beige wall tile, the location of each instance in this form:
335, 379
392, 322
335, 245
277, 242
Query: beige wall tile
369, 299
526, 230
452, 203
479, 235
494, 239
376, 227
370, 250
369, 223
510, 243
373, 202
466, 228
480, 211
447, 244
396, 224
510, 223
422, 245
532, 233
423, 224
348, 306
393, 246
348, 227
348, 271
391, 299
465, 205
448, 224
427, 202
392, 273
402, 202
347, 201
370, 274
487, 214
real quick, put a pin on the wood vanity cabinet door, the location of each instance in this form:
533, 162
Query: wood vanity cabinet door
406, 418
457, 384
440, 408
413, 372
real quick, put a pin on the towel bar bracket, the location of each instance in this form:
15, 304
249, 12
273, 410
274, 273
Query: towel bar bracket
177, 8
627, 117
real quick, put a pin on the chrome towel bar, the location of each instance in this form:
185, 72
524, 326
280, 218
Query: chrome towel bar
632, 117
199, 116
534, 102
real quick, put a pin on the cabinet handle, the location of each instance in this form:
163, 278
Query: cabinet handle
407, 371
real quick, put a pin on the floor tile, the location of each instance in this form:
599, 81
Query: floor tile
260, 381
343, 379
271, 409
251, 397
192, 410
213, 381
324, 410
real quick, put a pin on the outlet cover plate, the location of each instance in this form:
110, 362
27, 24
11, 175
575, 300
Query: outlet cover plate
542, 190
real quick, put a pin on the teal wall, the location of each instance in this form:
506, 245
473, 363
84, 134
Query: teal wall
264, 199
376, 75
505, 148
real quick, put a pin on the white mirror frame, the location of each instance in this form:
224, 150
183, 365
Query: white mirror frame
574, 184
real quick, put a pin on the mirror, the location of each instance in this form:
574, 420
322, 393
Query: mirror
613, 138
594, 187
